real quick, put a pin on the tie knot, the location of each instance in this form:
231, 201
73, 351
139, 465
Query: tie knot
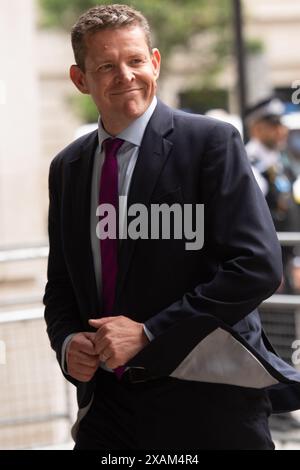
111, 146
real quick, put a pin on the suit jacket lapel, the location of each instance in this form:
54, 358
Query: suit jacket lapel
153, 154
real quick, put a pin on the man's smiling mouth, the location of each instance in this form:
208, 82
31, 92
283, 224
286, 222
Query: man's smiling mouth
126, 91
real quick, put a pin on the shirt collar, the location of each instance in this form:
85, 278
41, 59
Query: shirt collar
135, 131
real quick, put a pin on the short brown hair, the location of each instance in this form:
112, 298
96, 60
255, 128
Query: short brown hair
104, 17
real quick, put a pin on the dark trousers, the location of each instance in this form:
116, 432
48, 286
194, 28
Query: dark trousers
170, 414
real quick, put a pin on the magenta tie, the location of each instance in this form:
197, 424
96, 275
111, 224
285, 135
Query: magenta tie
109, 194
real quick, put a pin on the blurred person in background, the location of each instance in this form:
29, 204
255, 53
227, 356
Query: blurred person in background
275, 174
163, 343
292, 121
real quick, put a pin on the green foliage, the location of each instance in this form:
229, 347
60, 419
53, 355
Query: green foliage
254, 46
173, 21
85, 108
204, 99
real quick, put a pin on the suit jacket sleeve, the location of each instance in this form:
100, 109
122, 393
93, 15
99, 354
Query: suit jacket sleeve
238, 231
61, 311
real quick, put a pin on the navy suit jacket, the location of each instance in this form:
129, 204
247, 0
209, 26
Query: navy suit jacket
199, 305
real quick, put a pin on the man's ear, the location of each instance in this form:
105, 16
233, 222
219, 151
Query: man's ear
156, 59
78, 78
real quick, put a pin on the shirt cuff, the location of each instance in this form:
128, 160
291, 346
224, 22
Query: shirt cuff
64, 350
148, 333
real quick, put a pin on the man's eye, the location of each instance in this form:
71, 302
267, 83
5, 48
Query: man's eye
105, 67
136, 61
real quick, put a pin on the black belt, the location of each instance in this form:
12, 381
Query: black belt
136, 375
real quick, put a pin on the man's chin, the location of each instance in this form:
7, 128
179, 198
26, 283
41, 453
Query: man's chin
133, 109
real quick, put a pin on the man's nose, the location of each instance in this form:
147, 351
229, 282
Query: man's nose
125, 73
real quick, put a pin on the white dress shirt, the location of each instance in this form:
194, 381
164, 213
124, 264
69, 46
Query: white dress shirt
126, 157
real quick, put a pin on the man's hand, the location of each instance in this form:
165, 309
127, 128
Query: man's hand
82, 359
118, 339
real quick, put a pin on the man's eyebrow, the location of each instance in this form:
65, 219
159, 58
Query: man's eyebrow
139, 53
109, 58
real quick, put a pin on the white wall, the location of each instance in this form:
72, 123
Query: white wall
277, 24
20, 217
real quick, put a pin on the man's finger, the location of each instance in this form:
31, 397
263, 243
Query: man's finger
83, 344
86, 367
87, 348
101, 345
83, 358
82, 377
90, 336
98, 322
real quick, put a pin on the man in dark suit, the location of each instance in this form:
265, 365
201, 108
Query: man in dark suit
161, 338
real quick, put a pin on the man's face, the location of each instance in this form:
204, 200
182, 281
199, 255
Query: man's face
272, 135
120, 75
